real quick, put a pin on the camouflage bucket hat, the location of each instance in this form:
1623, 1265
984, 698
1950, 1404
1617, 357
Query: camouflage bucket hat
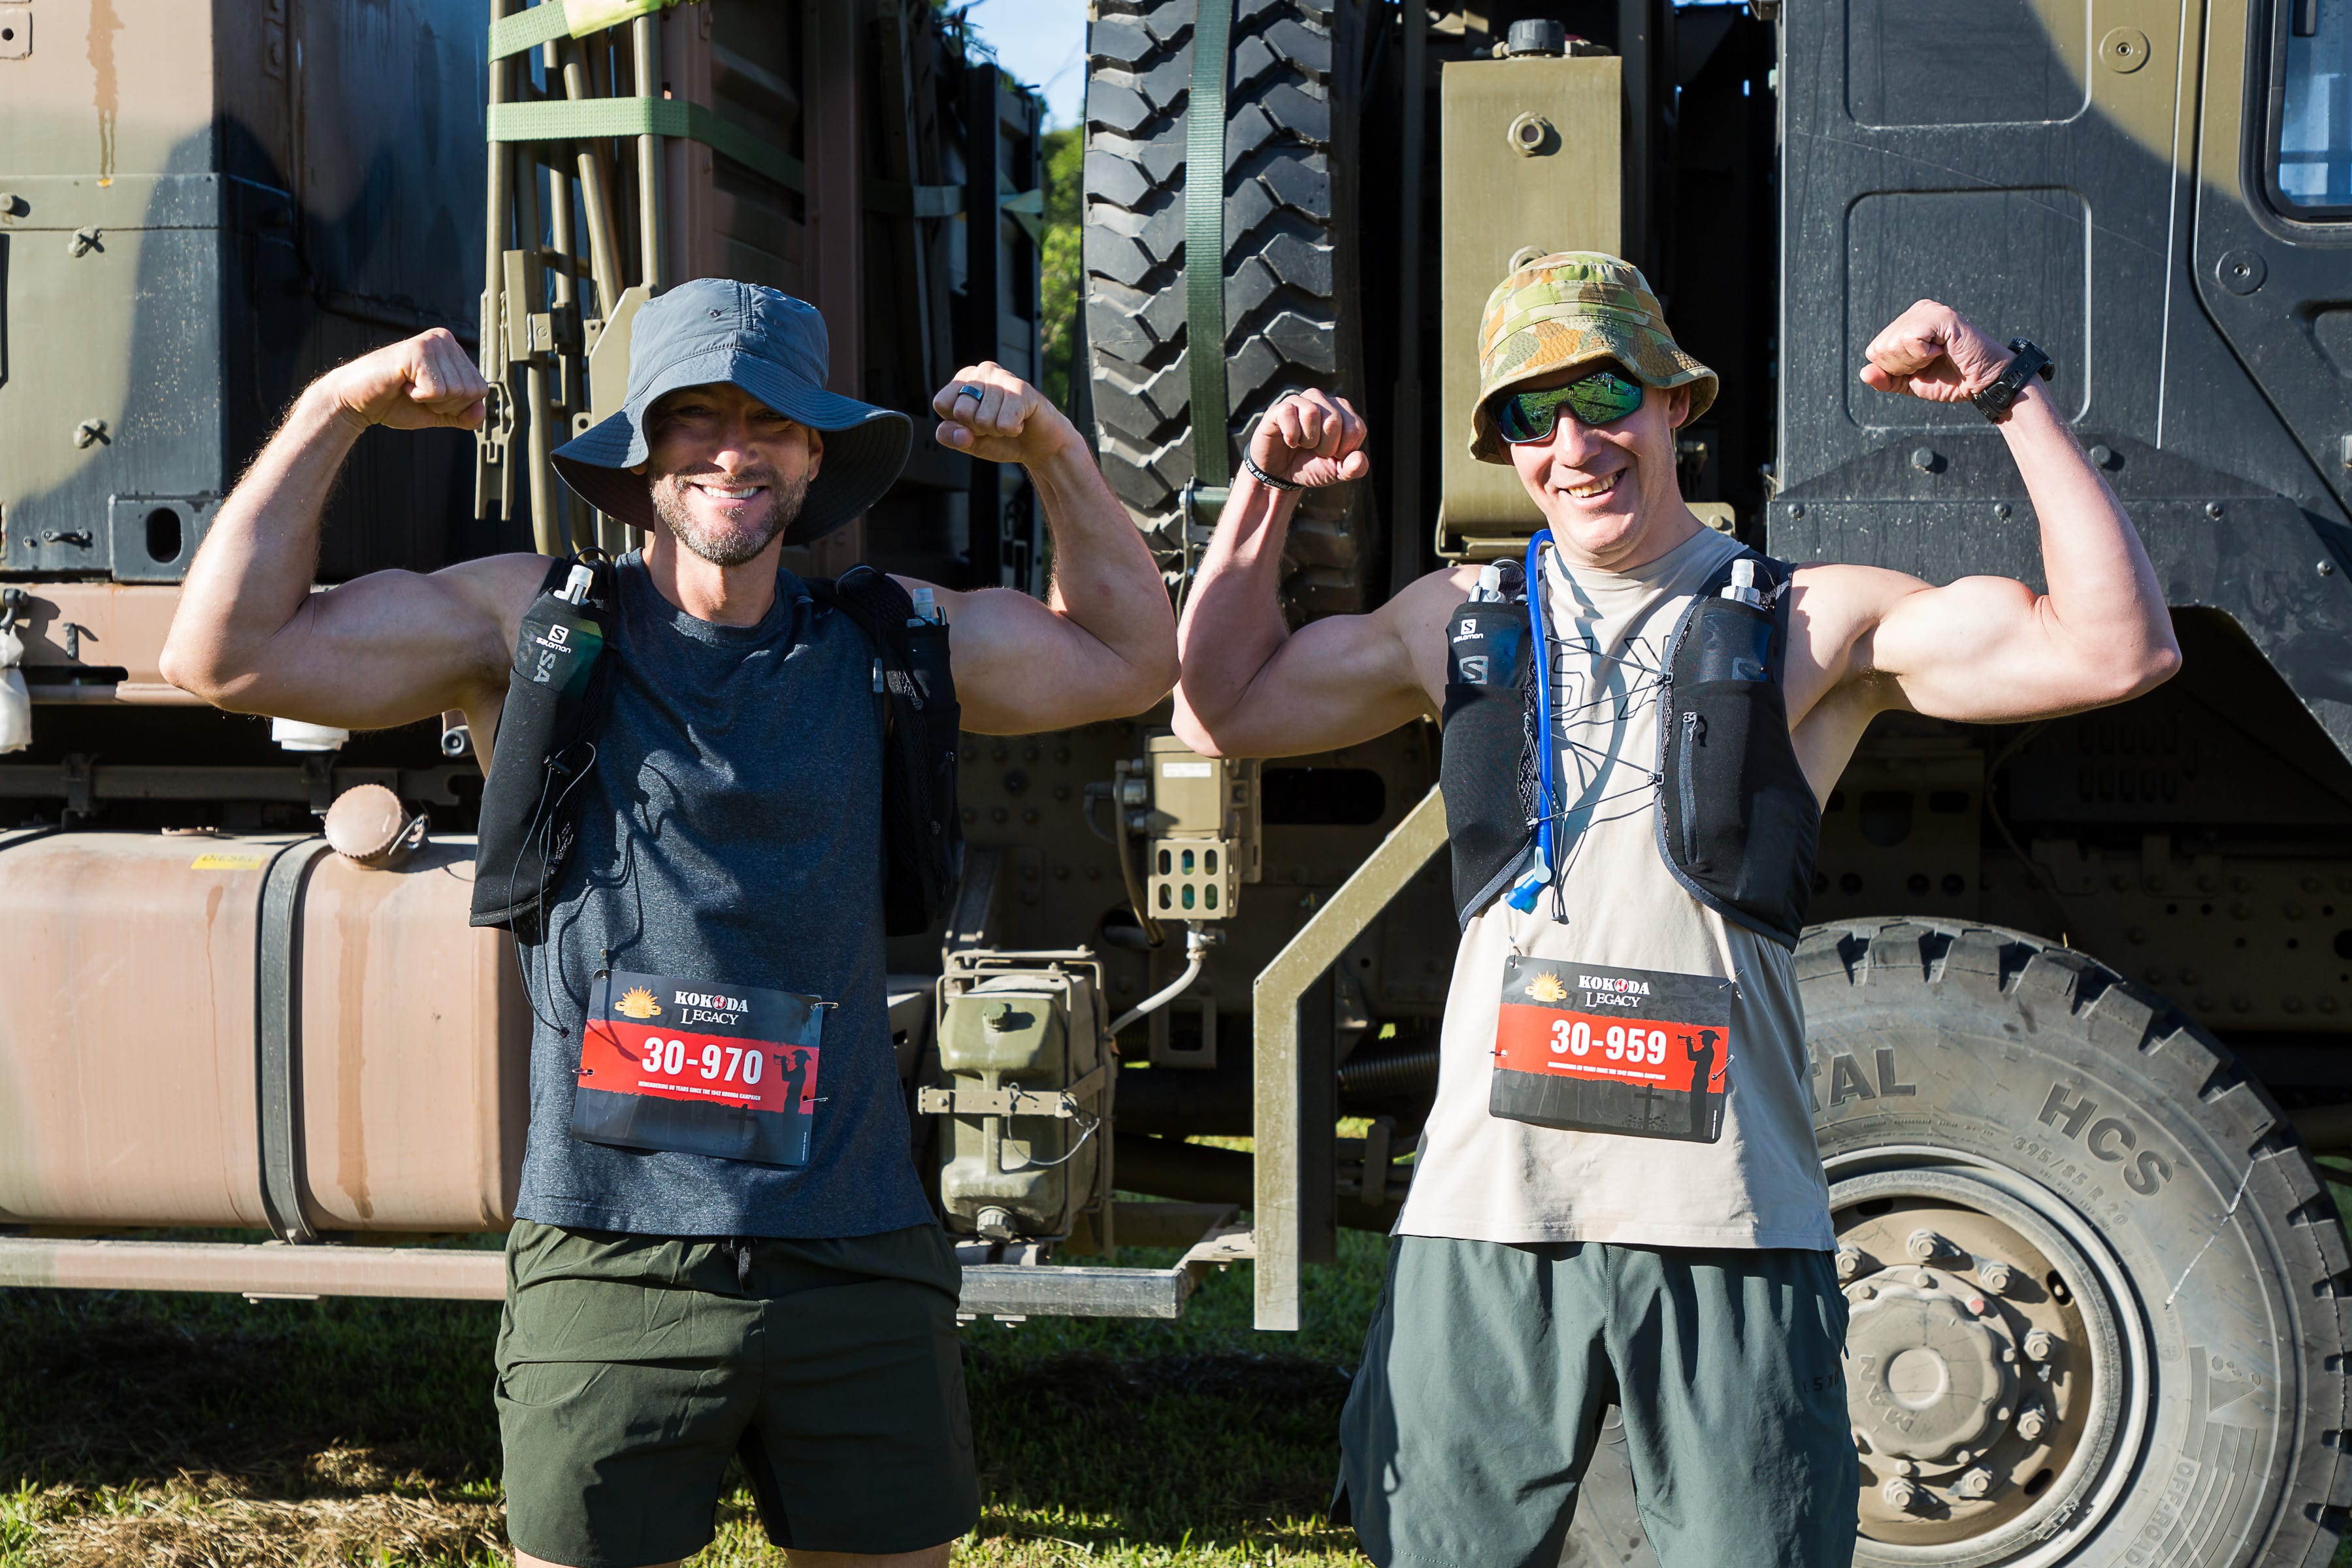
1570, 308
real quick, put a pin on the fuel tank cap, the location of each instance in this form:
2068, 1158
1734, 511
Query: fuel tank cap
368, 824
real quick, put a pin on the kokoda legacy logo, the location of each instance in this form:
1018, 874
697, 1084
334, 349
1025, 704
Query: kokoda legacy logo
709, 1008
1617, 983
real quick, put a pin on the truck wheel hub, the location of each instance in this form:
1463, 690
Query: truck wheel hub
1926, 1378
1985, 1367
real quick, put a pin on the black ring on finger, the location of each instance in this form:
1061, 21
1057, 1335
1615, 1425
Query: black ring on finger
974, 393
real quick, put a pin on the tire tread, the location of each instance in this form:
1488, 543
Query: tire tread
1288, 107
2196, 1073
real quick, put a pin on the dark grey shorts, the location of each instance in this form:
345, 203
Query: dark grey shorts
633, 1368
1488, 1367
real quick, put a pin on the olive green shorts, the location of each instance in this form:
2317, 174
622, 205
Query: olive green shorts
1489, 1366
633, 1368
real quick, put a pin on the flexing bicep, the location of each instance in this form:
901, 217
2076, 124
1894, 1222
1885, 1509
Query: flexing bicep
1333, 682
388, 648
1980, 651
1022, 665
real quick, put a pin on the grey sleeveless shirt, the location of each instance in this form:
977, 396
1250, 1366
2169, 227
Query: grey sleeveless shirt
1484, 1178
731, 835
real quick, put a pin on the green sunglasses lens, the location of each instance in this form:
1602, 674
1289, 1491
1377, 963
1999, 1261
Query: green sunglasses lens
1603, 397
1600, 398
1526, 416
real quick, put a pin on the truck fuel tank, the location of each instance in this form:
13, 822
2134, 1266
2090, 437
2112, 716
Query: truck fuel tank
255, 1032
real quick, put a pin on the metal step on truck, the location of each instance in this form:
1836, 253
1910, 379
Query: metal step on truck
2077, 993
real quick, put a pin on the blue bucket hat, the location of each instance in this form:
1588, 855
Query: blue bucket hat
713, 330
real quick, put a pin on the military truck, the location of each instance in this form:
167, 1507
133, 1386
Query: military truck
2076, 991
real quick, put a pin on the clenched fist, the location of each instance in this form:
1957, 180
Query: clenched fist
1311, 438
994, 415
427, 382
1932, 353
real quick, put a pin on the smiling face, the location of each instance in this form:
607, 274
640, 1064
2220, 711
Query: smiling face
726, 472
1609, 491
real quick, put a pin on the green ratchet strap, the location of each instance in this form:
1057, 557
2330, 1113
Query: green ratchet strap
548, 21
566, 119
1204, 241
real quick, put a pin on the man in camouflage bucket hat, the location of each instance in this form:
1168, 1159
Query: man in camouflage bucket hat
1563, 313
1660, 1238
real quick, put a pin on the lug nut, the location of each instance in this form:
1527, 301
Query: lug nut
1925, 1280
2031, 1422
1849, 1262
1924, 1245
1863, 1292
1899, 1493
2040, 1343
1977, 1483
1997, 1277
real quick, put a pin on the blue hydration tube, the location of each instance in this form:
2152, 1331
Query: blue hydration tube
1522, 896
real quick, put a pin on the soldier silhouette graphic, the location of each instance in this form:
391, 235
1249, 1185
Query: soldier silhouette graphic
1701, 1073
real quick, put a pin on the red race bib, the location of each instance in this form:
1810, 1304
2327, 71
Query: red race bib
723, 1071
1639, 1052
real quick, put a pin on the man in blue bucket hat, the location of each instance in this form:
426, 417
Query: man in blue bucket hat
670, 1308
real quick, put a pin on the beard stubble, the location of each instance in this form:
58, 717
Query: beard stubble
728, 546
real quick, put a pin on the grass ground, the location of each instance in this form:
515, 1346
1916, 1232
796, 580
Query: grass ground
153, 1431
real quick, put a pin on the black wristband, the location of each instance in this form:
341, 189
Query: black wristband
1250, 468
2026, 363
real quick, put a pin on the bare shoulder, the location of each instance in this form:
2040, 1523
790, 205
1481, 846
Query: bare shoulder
1431, 597
1833, 606
477, 595
1832, 611
974, 606
1416, 618
499, 588
506, 581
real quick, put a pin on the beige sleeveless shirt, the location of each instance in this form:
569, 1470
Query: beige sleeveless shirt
1489, 1178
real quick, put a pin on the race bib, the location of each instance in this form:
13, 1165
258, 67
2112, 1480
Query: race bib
724, 1070
1639, 1052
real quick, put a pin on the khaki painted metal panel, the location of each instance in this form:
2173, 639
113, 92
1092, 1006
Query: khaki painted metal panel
415, 1048
127, 1081
108, 85
121, 625
1566, 195
112, 93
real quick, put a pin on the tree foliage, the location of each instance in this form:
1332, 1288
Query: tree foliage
1063, 286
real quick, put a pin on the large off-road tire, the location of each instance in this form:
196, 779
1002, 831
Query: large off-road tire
1988, 1098
1291, 315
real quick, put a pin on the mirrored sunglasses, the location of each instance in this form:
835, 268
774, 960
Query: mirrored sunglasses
1602, 398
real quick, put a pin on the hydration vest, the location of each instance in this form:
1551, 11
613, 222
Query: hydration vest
561, 688
1739, 825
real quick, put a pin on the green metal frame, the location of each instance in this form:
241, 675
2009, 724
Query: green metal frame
1293, 1191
